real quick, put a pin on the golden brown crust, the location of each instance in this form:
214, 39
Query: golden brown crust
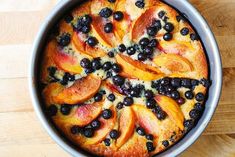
181, 57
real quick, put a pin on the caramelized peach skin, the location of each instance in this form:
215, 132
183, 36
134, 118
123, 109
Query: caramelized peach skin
172, 109
136, 69
147, 119
106, 39
51, 91
67, 63
106, 126
173, 62
80, 91
126, 126
84, 48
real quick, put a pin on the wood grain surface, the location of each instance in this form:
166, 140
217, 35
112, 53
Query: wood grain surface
22, 135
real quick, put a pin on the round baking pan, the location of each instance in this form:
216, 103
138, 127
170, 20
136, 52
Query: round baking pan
209, 44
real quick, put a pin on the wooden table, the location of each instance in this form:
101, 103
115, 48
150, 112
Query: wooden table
21, 134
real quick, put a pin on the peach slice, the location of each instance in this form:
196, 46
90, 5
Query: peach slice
80, 91
82, 115
51, 91
97, 5
172, 109
103, 131
136, 69
175, 46
82, 9
67, 63
173, 62
143, 22
106, 39
126, 126
147, 119
81, 46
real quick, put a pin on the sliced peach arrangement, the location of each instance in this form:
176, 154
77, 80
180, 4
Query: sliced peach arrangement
172, 109
81, 115
126, 126
135, 69
106, 126
80, 91
67, 62
147, 119
173, 62
80, 45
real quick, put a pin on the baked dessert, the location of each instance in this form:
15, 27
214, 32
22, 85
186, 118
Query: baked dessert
124, 77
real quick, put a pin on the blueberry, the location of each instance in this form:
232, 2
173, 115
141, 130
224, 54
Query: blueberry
175, 95
130, 50
148, 50
169, 88
199, 107
140, 4
105, 12
68, 18
184, 31
188, 124
112, 1
86, 20
142, 57
108, 28
51, 71
98, 97
64, 39
88, 71
85, 63
169, 27
86, 29
165, 81
157, 24
118, 15
200, 97
52, 110
107, 142
75, 129
167, 36
114, 134
153, 43
181, 101
95, 124
116, 68
111, 97
140, 131
149, 137
134, 92
88, 132
161, 14
128, 101
64, 81
179, 18
165, 143
161, 115
206, 83
95, 64
118, 80
194, 114
189, 95
151, 31
150, 146
107, 113
194, 36
122, 48
150, 103
110, 54
194, 82
65, 109
144, 42
155, 84
92, 41
107, 66
186, 83
149, 94
119, 105
68, 77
